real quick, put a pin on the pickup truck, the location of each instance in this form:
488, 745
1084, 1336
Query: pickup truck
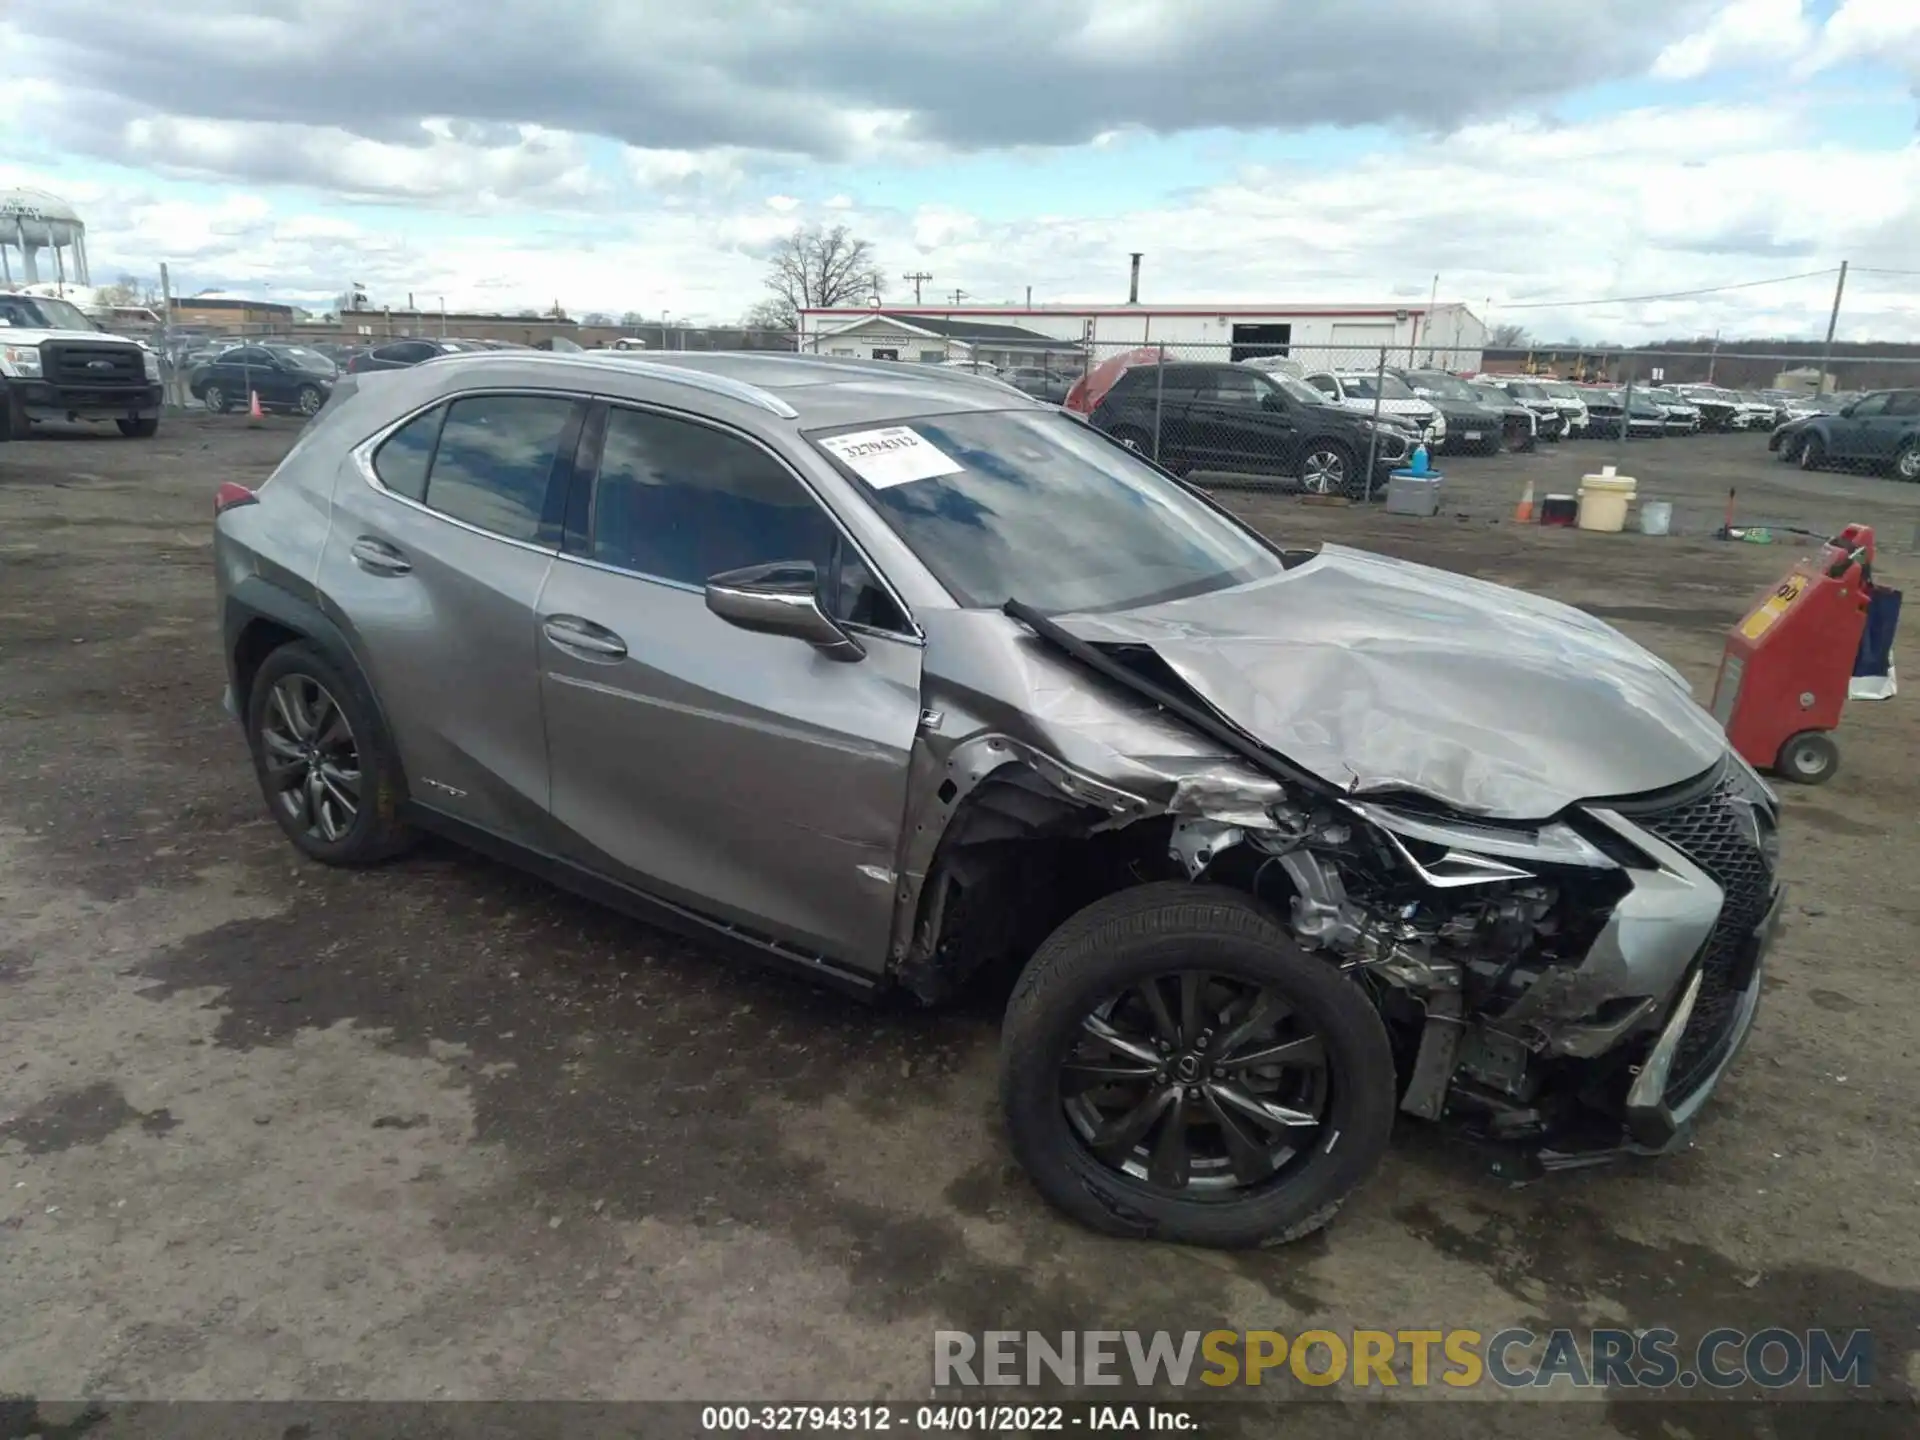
56, 364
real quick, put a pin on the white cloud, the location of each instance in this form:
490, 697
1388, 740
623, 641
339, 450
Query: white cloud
436, 164
1884, 30
1592, 213
1744, 32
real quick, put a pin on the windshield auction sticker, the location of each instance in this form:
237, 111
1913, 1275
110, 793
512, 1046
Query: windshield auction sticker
893, 456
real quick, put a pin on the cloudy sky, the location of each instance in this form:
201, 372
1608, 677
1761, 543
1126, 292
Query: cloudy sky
642, 154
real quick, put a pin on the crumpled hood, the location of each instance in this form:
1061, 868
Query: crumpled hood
1377, 674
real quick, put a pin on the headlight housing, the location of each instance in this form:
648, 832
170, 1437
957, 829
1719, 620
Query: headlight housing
1553, 843
152, 363
21, 360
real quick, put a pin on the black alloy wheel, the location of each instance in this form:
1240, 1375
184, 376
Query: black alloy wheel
1175, 1064
1196, 1082
312, 761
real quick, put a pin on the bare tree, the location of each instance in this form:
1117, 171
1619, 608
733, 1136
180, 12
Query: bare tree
815, 268
596, 317
1509, 336
127, 290
768, 314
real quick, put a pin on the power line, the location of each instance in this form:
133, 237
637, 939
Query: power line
1670, 295
1876, 270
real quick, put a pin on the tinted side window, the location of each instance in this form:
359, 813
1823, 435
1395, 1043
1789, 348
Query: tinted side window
402, 459
1229, 387
1904, 402
1323, 383
682, 502
495, 461
1872, 405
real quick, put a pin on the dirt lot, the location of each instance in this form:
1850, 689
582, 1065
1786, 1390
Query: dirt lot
269, 1130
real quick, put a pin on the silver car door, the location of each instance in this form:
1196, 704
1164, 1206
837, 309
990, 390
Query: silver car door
745, 775
443, 533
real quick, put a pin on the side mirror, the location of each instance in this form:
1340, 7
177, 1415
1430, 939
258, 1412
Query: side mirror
1846, 410
781, 599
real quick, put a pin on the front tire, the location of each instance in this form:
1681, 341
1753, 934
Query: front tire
309, 400
1175, 1065
328, 773
144, 429
14, 424
1330, 469
1906, 465
1813, 454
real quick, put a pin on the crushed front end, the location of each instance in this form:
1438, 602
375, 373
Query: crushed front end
1576, 987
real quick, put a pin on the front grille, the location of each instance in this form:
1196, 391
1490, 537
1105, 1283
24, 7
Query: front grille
1716, 829
99, 367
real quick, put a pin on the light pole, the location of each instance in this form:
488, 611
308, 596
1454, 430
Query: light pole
663, 330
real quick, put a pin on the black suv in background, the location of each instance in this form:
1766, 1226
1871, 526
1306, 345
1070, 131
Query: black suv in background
1231, 418
1473, 425
1880, 429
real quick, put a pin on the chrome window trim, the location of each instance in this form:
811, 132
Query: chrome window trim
362, 455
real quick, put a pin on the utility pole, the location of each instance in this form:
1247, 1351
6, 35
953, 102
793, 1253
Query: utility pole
1712, 356
958, 296
1029, 297
919, 278
1833, 320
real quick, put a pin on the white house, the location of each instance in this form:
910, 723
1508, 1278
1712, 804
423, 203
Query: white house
1318, 334
934, 339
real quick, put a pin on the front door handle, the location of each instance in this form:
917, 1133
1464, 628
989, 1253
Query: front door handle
570, 632
379, 558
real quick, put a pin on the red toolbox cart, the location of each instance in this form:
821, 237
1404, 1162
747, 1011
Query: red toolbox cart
1784, 676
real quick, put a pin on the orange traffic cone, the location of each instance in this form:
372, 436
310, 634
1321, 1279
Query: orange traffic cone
254, 412
1523, 512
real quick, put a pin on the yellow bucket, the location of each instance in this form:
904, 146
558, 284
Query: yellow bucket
1604, 499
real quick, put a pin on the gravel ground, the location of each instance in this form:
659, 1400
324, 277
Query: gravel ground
273, 1131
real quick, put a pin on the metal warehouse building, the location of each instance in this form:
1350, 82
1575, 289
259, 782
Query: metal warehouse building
1004, 334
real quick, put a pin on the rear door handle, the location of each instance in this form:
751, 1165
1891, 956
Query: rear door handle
379, 558
570, 632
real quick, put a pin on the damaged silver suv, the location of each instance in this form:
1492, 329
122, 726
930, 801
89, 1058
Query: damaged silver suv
902, 677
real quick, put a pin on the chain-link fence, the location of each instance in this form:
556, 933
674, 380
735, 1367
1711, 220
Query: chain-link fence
1338, 420
226, 364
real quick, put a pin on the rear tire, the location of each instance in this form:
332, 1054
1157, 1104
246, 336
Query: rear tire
1278, 1181
140, 429
1808, 758
326, 768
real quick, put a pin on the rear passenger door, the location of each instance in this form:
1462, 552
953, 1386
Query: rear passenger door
444, 528
742, 775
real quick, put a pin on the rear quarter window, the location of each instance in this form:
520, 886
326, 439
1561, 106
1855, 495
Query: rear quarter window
401, 461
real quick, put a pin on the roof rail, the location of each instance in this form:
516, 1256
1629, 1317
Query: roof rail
628, 361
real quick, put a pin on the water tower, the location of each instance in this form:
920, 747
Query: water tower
32, 221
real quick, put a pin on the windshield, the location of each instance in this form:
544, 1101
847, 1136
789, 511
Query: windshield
1298, 389
43, 312
1561, 392
1443, 385
1392, 387
1526, 390
1034, 506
